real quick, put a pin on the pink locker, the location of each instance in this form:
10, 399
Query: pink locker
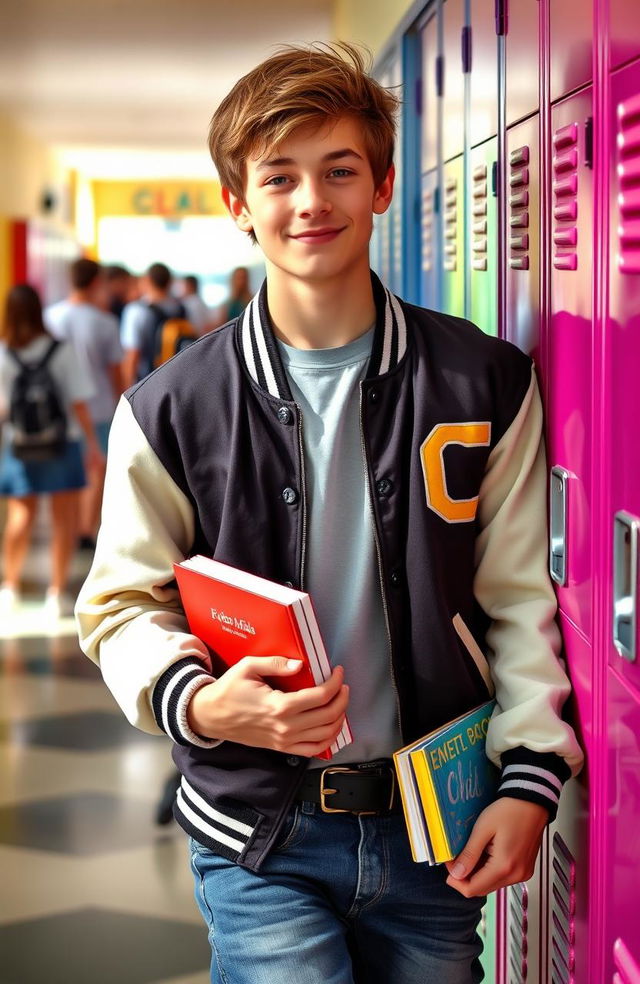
453, 97
622, 843
522, 63
452, 300
569, 357
483, 78
522, 320
571, 38
624, 31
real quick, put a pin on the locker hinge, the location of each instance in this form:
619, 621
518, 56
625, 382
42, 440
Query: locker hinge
494, 179
440, 75
502, 17
588, 142
418, 97
466, 49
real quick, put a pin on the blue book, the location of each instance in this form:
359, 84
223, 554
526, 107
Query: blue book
445, 782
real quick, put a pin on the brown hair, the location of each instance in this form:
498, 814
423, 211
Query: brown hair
159, 275
298, 86
83, 272
22, 320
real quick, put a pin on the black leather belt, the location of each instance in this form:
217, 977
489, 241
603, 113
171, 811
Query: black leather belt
360, 789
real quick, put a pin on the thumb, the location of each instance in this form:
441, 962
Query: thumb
267, 666
468, 858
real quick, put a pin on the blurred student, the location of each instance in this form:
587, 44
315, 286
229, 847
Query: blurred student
240, 294
117, 282
196, 310
25, 340
96, 338
140, 317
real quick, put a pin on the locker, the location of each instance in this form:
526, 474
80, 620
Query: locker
453, 99
624, 32
522, 312
521, 960
431, 248
483, 219
566, 877
483, 78
452, 300
521, 60
431, 101
569, 367
571, 40
487, 931
387, 250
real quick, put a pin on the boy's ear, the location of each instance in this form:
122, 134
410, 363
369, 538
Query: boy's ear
237, 210
384, 192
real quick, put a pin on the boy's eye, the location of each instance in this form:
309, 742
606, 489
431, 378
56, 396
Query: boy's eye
341, 172
277, 179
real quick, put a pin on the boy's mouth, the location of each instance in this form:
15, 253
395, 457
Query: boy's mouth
318, 236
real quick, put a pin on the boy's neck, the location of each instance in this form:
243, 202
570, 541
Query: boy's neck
321, 313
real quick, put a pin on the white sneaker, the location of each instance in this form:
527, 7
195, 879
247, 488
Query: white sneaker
9, 600
57, 604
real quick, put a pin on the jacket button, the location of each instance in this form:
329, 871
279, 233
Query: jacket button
284, 415
293, 760
290, 496
384, 487
395, 579
374, 396
288, 584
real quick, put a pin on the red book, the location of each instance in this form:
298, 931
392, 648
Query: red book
238, 614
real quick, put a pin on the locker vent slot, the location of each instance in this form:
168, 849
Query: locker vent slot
628, 139
450, 262
627, 970
563, 913
518, 921
428, 211
479, 194
565, 197
518, 208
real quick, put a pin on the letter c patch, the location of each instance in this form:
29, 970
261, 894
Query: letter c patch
470, 435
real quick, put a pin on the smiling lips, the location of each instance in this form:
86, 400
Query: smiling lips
316, 237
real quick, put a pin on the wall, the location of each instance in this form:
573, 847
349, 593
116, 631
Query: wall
368, 21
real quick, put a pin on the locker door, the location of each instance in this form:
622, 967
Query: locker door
523, 930
453, 99
569, 368
483, 117
522, 314
431, 261
483, 205
453, 242
569, 894
624, 31
622, 841
571, 39
431, 101
388, 240
522, 96
487, 931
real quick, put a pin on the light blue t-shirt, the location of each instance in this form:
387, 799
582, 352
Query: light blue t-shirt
341, 572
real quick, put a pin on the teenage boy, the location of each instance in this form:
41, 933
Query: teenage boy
387, 459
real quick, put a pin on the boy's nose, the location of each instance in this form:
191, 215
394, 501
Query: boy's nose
311, 199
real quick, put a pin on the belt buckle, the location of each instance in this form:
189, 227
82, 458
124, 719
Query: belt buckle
327, 791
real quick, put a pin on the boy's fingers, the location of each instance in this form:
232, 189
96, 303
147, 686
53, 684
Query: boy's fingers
265, 666
469, 856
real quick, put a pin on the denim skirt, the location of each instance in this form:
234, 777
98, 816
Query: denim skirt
62, 474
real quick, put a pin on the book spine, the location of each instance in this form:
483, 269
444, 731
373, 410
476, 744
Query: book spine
433, 817
420, 850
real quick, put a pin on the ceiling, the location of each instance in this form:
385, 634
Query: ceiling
93, 77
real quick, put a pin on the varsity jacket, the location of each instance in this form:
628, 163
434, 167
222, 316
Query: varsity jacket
206, 457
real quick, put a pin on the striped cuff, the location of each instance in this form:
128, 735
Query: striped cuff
170, 700
534, 776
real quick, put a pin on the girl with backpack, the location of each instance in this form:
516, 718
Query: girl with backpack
42, 406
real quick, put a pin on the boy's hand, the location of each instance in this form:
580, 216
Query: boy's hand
502, 848
240, 706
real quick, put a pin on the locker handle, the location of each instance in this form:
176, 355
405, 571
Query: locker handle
558, 490
625, 584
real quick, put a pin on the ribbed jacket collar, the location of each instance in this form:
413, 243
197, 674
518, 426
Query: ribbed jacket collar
262, 357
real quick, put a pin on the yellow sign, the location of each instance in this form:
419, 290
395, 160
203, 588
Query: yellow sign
168, 199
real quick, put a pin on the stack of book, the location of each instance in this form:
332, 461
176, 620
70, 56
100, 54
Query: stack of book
238, 614
445, 781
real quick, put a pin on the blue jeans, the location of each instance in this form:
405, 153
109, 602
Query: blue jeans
338, 901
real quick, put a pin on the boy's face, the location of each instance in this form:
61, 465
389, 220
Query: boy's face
310, 202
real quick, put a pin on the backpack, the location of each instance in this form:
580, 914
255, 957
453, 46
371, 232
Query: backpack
168, 335
36, 410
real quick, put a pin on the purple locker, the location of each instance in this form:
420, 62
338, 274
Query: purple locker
569, 358
571, 40
453, 98
431, 103
522, 65
624, 31
522, 314
483, 116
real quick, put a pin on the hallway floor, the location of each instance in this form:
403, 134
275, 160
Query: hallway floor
92, 891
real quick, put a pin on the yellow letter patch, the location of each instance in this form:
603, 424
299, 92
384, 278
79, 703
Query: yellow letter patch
471, 435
